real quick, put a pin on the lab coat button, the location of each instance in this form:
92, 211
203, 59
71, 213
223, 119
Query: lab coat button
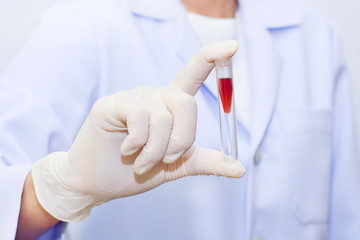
257, 156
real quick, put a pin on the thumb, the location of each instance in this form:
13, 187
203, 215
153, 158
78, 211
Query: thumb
202, 161
196, 71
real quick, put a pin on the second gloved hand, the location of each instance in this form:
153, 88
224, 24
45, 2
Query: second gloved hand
132, 142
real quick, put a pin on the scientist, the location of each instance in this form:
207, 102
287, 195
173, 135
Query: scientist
295, 127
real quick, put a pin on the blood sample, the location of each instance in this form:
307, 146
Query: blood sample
226, 107
226, 91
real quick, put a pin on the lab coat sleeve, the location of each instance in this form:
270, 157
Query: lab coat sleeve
345, 192
45, 95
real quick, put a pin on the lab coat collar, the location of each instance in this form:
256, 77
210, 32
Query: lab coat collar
156, 9
272, 13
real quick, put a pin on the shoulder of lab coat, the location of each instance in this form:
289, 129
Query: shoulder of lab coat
32, 86
344, 208
345, 195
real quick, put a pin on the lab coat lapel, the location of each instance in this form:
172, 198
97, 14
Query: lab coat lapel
264, 69
259, 18
264, 72
188, 44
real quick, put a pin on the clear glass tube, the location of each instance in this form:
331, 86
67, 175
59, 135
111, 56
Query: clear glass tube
226, 102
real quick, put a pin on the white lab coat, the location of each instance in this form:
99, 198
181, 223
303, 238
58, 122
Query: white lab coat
303, 175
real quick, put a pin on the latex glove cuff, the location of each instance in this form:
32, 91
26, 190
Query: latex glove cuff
54, 193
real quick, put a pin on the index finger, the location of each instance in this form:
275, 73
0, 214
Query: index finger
199, 67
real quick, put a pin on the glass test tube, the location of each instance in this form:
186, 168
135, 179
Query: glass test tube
226, 102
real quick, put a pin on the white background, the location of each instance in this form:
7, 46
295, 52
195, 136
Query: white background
18, 18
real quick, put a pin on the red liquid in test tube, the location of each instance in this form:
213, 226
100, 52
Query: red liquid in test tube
226, 91
226, 107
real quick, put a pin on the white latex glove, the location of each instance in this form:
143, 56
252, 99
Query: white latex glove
132, 142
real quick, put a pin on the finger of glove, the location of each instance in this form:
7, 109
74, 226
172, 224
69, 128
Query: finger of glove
110, 113
159, 132
197, 70
122, 112
202, 161
183, 108
137, 122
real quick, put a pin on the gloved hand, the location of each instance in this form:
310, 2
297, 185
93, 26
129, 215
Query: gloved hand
132, 142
